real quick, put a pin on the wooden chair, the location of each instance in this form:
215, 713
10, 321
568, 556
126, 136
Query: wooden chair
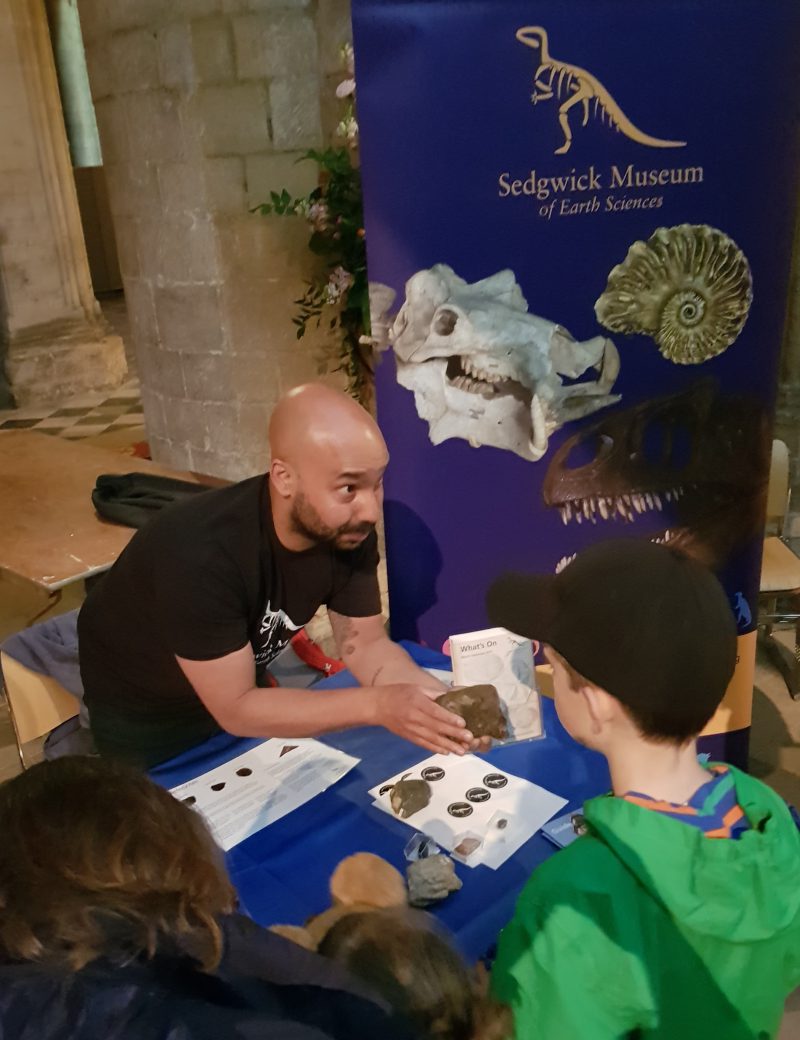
780, 570
36, 703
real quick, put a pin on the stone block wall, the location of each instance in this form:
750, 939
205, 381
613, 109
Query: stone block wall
203, 107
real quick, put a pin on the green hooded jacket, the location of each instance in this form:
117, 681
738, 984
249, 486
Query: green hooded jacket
645, 927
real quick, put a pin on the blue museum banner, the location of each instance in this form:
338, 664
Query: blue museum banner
579, 218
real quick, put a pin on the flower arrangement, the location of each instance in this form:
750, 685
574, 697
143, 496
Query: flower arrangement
338, 298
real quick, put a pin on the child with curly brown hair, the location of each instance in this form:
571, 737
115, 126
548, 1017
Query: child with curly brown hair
117, 920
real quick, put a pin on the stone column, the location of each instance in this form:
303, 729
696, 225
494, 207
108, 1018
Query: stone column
55, 341
203, 108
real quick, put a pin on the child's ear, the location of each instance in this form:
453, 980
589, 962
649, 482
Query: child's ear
601, 706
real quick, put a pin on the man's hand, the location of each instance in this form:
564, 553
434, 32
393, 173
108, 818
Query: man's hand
411, 712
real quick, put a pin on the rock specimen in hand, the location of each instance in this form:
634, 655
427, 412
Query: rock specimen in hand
409, 796
431, 879
479, 707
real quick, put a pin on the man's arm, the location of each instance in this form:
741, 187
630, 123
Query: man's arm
226, 686
375, 660
372, 657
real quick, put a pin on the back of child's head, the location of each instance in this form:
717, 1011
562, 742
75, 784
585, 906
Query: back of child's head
99, 861
645, 622
403, 956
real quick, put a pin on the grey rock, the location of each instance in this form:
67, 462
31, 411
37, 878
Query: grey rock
431, 880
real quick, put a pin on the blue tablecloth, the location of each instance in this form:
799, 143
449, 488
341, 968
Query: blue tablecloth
282, 873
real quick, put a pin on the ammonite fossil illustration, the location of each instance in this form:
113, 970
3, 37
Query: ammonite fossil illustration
688, 287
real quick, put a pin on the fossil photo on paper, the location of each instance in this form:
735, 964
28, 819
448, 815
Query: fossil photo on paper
484, 369
687, 287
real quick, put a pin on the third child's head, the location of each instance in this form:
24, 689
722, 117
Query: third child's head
404, 957
641, 639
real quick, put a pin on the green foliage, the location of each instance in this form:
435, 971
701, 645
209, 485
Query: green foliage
338, 299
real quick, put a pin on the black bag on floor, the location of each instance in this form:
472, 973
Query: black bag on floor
134, 498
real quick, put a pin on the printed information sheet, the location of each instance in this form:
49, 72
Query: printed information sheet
259, 787
479, 813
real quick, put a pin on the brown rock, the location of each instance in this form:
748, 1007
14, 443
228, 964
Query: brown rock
479, 707
366, 879
466, 847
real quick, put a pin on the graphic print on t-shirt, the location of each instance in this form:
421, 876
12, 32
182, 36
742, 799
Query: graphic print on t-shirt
275, 630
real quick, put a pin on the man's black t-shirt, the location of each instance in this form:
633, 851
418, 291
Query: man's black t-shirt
202, 579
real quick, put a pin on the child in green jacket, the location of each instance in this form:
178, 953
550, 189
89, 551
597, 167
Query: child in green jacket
677, 915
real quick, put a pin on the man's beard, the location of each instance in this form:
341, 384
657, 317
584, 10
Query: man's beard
307, 522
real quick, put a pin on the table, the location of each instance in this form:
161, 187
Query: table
282, 872
51, 535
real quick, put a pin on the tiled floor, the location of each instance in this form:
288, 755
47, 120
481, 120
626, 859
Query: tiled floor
89, 414
84, 416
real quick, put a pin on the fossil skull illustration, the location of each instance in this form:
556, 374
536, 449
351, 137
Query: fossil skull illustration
483, 369
695, 459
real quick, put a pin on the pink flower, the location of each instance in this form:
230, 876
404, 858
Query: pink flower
318, 215
346, 88
339, 281
341, 277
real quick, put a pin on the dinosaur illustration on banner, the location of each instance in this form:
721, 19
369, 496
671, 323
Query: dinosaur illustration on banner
696, 460
555, 79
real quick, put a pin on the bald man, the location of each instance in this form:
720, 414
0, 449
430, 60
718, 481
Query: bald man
177, 637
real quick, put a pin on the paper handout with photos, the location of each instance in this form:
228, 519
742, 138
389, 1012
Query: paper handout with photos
262, 785
499, 665
478, 812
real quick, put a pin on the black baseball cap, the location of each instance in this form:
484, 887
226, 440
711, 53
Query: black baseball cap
645, 622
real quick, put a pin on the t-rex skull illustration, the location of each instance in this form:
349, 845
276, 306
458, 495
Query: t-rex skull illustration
698, 458
482, 368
